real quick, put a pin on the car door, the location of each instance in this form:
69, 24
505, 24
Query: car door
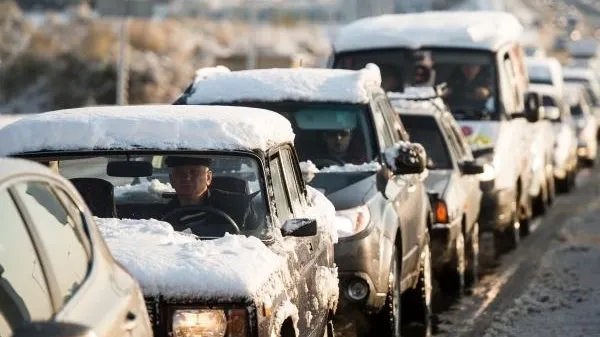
86, 287
24, 291
408, 187
303, 264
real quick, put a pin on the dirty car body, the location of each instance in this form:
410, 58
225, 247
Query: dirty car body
205, 269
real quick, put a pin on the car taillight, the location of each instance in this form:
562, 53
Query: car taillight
441, 212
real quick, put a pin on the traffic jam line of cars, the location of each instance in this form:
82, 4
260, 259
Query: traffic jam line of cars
293, 202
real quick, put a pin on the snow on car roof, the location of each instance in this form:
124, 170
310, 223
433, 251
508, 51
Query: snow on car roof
289, 84
175, 264
485, 30
418, 99
164, 127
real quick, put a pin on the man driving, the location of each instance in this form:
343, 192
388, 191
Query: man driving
469, 83
337, 147
191, 178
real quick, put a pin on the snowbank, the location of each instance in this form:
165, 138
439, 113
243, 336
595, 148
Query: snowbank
151, 126
293, 84
175, 264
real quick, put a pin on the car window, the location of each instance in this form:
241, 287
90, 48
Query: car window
454, 142
397, 128
282, 203
24, 294
291, 179
426, 131
60, 235
548, 101
462, 142
383, 132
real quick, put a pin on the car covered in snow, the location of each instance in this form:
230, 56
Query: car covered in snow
354, 149
55, 267
205, 206
479, 56
452, 184
545, 70
590, 81
584, 121
564, 156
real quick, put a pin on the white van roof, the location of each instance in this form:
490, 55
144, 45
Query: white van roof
483, 30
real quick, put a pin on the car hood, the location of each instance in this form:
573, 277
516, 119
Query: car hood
346, 189
178, 266
437, 181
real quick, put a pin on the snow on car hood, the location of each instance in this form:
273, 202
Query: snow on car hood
480, 134
175, 264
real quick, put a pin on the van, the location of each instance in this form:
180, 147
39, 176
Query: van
498, 124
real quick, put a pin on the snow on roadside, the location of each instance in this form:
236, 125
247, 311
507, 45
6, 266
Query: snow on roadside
563, 299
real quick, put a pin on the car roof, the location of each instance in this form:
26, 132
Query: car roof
483, 30
214, 86
161, 127
417, 101
13, 166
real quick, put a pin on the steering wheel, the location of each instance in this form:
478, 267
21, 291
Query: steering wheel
175, 217
328, 161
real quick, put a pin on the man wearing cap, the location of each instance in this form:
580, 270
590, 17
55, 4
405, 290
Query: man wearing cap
191, 178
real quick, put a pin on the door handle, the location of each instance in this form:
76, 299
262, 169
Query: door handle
130, 321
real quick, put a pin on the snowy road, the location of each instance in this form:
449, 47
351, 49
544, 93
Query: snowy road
549, 286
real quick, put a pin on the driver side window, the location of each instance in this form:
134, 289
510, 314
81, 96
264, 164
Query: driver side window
280, 196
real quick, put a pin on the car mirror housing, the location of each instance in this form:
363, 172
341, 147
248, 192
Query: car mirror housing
406, 158
299, 227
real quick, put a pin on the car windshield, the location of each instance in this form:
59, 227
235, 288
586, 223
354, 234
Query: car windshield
393, 64
470, 76
207, 194
589, 87
328, 134
539, 74
425, 130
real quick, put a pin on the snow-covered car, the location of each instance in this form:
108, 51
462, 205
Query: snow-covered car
545, 70
584, 121
478, 55
354, 150
452, 183
564, 158
205, 206
55, 267
590, 81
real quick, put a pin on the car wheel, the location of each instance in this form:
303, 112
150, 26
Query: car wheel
329, 329
540, 202
563, 185
453, 278
524, 217
551, 187
391, 313
509, 238
417, 301
472, 257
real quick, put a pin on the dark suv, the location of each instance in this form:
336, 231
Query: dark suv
356, 151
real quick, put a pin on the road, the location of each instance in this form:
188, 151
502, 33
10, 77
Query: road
504, 289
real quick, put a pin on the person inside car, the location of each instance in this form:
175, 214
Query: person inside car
191, 178
424, 73
338, 149
469, 83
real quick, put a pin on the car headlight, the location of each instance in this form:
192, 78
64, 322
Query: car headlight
352, 221
209, 323
488, 174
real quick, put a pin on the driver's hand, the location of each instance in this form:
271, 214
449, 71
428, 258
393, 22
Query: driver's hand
482, 93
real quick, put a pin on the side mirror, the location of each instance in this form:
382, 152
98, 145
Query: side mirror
533, 107
53, 329
551, 113
406, 158
470, 168
299, 227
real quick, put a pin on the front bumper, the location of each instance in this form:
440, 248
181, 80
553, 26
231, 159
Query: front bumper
497, 207
443, 237
358, 260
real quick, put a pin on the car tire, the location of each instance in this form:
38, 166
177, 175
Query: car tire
563, 185
508, 239
388, 322
540, 202
472, 257
453, 277
551, 187
329, 332
524, 217
417, 301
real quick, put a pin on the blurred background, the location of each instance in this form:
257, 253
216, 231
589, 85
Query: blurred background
58, 54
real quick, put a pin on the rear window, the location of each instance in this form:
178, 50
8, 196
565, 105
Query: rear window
539, 74
426, 131
548, 101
